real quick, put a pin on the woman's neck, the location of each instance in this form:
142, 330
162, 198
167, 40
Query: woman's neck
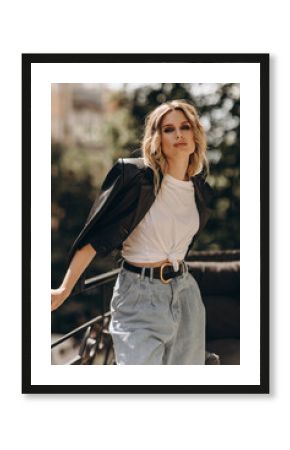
178, 169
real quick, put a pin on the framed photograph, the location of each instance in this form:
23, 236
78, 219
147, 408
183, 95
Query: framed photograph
86, 120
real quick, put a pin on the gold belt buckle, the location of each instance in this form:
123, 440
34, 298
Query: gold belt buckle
161, 273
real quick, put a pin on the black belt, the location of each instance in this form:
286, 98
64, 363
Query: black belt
165, 272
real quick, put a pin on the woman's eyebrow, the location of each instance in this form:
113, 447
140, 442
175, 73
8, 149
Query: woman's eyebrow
171, 125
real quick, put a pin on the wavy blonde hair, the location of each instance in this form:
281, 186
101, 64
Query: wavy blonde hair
151, 142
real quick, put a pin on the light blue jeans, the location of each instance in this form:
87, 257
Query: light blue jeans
156, 323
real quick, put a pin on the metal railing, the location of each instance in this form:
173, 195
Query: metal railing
96, 345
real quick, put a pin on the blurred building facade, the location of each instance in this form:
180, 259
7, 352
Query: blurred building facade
77, 113
79, 117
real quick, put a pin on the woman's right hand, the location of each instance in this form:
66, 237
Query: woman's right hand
58, 296
79, 262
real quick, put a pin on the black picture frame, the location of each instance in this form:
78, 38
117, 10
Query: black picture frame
260, 60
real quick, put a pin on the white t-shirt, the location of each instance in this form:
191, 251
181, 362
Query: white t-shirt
168, 227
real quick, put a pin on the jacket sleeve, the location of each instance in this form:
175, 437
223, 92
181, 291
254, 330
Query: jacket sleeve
116, 173
110, 186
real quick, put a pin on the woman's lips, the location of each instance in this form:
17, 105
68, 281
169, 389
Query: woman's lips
179, 144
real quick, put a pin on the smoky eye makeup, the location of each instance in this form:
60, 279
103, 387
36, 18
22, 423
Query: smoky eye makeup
168, 129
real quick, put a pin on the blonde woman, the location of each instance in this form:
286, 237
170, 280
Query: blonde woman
152, 209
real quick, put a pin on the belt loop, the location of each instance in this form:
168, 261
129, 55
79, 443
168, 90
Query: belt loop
143, 273
151, 275
185, 269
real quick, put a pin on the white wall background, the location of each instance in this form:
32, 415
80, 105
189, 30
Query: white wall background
139, 421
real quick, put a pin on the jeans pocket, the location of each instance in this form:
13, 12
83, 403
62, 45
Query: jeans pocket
196, 289
126, 291
193, 281
153, 296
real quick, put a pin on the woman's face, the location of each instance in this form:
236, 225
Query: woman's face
176, 135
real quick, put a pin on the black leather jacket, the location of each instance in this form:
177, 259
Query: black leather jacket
126, 195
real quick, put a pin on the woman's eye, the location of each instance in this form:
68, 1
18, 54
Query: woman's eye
169, 129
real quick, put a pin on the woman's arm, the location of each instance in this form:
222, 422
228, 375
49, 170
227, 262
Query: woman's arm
79, 263
112, 184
